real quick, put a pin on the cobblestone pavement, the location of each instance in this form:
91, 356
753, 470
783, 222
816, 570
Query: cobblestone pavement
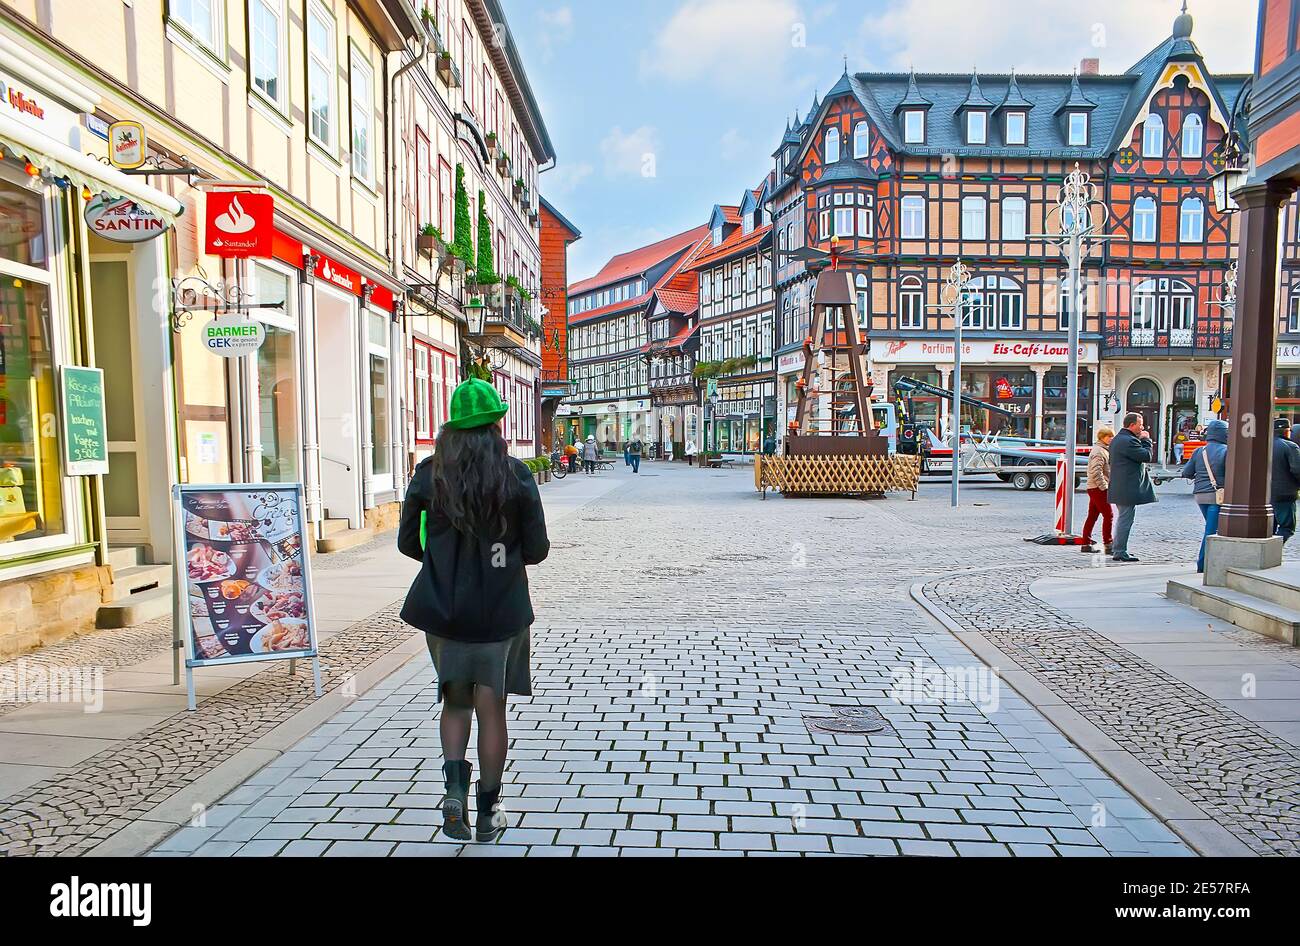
1234, 769
686, 630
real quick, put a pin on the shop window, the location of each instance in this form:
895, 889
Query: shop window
1055, 402
277, 377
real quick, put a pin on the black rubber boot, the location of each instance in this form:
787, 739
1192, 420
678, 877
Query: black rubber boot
455, 805
491, 822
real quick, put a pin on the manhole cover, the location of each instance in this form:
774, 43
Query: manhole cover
737, 557
849, 719
673, 572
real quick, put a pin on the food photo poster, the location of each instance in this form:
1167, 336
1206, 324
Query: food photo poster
248, 587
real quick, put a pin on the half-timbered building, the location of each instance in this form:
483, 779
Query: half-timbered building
907, 173
607, 335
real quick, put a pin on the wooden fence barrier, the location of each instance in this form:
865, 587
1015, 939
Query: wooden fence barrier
837, 475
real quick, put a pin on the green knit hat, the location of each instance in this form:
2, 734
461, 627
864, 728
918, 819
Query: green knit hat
475, 404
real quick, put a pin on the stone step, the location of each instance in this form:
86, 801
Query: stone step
1240, 608
135, 609
333, 527
342, 541
122, 557
137, 578
1279, 585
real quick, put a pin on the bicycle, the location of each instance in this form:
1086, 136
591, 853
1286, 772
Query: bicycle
559, 465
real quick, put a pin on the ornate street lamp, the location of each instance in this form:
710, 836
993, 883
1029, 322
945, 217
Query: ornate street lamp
1236, 160
1081, 216
955, 297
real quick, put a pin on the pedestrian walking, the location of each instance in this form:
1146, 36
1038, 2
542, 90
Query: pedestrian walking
590, 454
1130, 483
1286, 480
473, 519
627, 453
635, 449
1097, 484
1207, 467
691, 451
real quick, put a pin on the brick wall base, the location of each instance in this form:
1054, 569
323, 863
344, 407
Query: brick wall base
43, 609
384, 518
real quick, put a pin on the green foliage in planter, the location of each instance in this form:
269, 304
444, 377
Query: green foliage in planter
484, 271
707, 369
480, 370
461, 247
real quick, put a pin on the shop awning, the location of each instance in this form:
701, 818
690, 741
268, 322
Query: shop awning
82, 170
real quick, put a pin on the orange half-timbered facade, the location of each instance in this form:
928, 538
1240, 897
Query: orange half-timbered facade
907, 173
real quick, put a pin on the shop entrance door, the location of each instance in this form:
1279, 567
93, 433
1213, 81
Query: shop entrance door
126, 507
1184, 415
338, 406
1144, 398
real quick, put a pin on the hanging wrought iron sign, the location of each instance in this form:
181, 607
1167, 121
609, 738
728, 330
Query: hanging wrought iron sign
232, 336
193, 294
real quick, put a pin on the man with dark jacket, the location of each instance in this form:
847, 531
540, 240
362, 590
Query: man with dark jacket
1130, 485
1286, 480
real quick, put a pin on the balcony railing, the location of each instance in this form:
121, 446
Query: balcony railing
1127, 340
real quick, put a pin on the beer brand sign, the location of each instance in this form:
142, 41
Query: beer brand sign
127, 144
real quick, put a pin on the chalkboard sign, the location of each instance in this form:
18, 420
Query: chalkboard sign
85, 429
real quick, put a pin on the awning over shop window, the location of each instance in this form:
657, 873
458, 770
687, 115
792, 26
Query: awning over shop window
82, 170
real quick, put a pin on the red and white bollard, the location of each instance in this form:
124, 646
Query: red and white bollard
1061, 487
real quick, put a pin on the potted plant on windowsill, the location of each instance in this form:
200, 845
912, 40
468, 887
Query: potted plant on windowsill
491, 141
430, 242
447, 70
503, 161
519, 187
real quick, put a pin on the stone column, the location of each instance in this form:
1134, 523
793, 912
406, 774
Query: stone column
1040, 377
1246, 523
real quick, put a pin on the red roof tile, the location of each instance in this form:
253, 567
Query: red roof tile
680, 301
734, 244
635, 262
675, 342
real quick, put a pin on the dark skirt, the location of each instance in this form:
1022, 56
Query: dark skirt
501, 666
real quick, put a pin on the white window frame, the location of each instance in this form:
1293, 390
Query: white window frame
832, 142
843, 215
1023, 119
1145, 208
861, 140
913, 210
911, 303
276, 9
909, 116
1014, 209
1073, 140
1153, 137
968, 204
1193, 147
359, 67
315, 11
1191, 225
185, 21
977, 127
1293, 315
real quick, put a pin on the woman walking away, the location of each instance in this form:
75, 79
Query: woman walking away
1208, 469
1098, 483
473, 519
590, 454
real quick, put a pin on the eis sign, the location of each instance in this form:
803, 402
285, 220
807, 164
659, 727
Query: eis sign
239, 224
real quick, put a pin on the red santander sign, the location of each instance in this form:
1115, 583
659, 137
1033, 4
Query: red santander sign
239, 224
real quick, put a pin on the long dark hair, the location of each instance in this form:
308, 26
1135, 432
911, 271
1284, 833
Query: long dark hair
473, 480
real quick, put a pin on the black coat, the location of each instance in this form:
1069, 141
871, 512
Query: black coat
1286, 471
472, 588
1130, 485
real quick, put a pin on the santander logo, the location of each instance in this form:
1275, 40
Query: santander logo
235, 220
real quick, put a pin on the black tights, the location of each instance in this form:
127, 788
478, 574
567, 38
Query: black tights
460, 703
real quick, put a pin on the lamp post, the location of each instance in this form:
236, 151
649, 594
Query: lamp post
1081, 216
956, 296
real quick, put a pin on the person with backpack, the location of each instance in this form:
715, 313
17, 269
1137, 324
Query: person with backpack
473, 518
1207, 467
635, 449
1285, 484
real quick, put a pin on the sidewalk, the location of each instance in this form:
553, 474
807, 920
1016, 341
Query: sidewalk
119, 779
1200, 719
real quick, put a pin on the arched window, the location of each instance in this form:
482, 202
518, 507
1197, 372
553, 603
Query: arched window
1144, 220
832, 145
1184, 391
1163, 307
861, 140
911, 303
1153, 137
1193, 136
860, 283
1191, 220
995, 302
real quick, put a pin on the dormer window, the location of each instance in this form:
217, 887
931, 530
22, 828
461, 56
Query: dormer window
914, 126
861, 140
1077, 125
832, 145
977, 128
747, 225
717, 235
1016, 128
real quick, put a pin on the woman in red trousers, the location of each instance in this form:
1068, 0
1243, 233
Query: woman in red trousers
1098, 483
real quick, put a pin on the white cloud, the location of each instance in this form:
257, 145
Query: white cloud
564, 178
734, 146
556, 30
730, 43
996, 35
630, 154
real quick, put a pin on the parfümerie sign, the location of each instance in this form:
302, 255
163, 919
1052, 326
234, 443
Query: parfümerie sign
232, 336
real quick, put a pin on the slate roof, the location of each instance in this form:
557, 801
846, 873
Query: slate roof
1114, 102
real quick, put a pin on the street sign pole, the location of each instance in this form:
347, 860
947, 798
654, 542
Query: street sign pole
958, 313
1072, 378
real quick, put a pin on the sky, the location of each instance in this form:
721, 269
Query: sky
660, 109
